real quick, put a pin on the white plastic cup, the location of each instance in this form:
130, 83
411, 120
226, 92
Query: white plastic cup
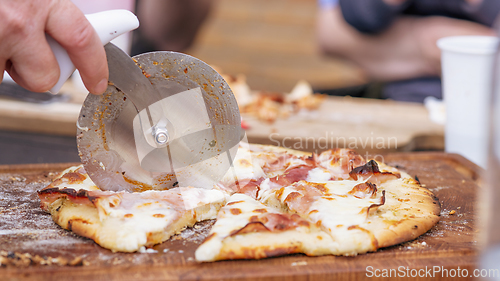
467, 65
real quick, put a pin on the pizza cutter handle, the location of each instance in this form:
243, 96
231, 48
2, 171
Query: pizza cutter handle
108, 25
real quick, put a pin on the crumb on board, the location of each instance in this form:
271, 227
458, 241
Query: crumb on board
15, 178
413, 245
26, 259
452, 212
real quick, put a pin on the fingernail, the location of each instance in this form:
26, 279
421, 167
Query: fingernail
101, 87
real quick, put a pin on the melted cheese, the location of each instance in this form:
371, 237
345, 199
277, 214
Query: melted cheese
226, 223
339, 214
87, 184
318, 175
245, 167
133, 216
337, 207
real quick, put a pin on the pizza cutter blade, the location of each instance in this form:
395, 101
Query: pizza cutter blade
167, 119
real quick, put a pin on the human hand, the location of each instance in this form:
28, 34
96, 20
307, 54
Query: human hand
26, 55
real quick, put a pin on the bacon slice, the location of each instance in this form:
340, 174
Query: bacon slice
73, 184
364, 190
276, 163
340, 162
376, 205
293, 175
284, 161
371, 172
84, 197
249, 187
272, 222
303, 195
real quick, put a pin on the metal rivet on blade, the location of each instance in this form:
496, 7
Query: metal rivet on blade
161, 136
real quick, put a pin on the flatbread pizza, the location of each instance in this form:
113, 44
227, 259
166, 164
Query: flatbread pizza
272, 202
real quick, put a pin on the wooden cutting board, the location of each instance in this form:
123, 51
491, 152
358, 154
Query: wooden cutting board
367, 125
26, 229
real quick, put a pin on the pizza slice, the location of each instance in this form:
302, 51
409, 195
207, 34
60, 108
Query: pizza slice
333, 203
247, 229
122, 221
370, 210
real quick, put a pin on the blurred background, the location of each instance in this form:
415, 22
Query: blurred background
273, 43
265, 47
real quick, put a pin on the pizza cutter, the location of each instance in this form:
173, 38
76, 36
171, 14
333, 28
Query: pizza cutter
167, 119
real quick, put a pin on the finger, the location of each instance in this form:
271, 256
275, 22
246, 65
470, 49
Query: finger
24, 52
68, 26
32, 64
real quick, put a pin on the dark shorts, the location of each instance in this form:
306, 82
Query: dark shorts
373, 16
413, 90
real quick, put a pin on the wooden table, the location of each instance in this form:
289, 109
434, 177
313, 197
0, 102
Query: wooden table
451, 244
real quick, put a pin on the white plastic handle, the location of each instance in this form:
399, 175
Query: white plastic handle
108, 25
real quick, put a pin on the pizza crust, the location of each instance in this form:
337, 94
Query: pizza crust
278, 149
80, 219
417, 210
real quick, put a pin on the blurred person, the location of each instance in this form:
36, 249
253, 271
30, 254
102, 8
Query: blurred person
395, 40
168, 25
26, 55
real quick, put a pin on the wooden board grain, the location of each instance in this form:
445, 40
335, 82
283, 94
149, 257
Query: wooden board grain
57, 118
450, 244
